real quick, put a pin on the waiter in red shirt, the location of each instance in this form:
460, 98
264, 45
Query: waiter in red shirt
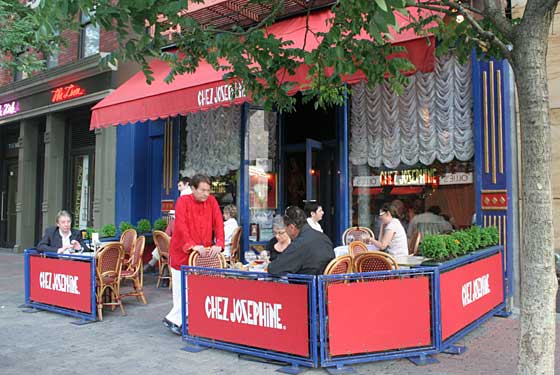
198, 221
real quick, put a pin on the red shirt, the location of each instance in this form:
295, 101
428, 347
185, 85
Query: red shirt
196, 223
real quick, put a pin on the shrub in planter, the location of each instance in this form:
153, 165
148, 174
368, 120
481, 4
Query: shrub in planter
434, 247
489, 236
160, 224
108, 230
143, 226
124, 225
475, 232
465, 241
451, 246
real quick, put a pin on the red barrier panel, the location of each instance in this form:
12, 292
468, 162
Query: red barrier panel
261, 314
378, 315
470, 291
60, 282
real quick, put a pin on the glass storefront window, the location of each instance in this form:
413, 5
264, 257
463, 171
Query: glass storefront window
449, 186
263, 173
81, 198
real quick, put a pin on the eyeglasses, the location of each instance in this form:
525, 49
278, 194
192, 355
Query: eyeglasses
382, 213
279, 233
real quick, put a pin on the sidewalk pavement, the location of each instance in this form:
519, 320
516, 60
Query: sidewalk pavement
47, 343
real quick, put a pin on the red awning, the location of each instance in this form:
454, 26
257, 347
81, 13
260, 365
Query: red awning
205, 89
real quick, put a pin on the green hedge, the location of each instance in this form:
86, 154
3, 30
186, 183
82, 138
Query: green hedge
441, 247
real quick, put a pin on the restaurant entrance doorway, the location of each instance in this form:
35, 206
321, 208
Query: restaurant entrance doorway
8, 194
310, 162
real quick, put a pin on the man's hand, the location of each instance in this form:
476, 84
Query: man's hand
200, 249
75, 245
214, 251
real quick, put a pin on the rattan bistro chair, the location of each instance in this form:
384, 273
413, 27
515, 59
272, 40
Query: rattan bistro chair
135, 271
356, 234
356, 248
218, 261
128, 237
339, 265
108, 274
235, 246
414, 243
162, 240
374, 261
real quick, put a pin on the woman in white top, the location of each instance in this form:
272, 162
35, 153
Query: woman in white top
393, 239
314, 214
230, 225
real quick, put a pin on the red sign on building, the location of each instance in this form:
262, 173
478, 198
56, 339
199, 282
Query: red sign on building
68, 92
379, 315
60, 282
262, 314
470, 291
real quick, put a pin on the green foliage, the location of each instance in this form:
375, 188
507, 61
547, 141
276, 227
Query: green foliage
124, 225
441, 247
144, 226
160, 224
108, 230
433, 247
359, 37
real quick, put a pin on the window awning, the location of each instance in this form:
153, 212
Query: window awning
137, 101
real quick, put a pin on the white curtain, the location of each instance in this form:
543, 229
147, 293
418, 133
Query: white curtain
431, 120
213, 142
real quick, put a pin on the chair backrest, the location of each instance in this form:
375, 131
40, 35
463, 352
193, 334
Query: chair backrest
162, 240
235, 245
357, 247
356, 234
217, 261
135, 262
339, 265
109, 260
127, 239
372, 261
414, 243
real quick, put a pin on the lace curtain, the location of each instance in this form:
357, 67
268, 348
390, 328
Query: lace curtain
213, 142
431, 120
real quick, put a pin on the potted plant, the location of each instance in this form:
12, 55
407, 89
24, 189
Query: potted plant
108, 231
124, 225
143, 226
160, 224
443, 247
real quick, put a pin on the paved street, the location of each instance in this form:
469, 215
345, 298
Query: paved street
46, 343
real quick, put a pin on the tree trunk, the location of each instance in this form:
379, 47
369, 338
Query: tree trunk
538, 277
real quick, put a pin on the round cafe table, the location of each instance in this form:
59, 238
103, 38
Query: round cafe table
343, 250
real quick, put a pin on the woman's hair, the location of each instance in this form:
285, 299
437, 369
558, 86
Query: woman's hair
388, 207
278, 223
62, 213
310, 207
231, 210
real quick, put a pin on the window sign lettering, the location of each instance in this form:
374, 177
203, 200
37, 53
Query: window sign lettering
8, 109
68, 92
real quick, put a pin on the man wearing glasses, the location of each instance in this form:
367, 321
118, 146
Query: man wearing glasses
309, 252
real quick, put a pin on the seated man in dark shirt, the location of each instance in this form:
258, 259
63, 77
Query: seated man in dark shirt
61, 239
310, 250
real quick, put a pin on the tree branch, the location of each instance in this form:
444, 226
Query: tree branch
493, 10
484, 34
